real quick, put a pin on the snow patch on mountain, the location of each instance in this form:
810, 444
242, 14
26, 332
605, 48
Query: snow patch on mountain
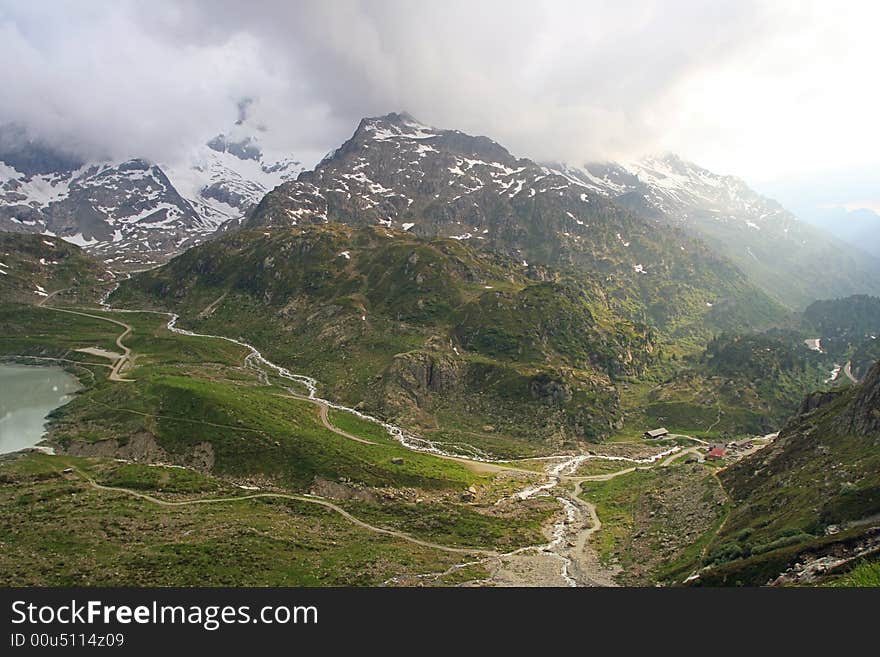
681, 190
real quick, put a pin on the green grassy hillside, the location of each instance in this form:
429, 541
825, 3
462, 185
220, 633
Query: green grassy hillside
433, 332
34, 266
193, 422
817, 485
740, 384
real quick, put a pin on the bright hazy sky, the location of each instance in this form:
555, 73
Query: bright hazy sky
765, 90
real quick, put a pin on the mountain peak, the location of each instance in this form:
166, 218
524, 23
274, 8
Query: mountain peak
244, 149
399, 117
668, 161
395, 125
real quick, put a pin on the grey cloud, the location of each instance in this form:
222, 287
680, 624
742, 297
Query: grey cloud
556, 80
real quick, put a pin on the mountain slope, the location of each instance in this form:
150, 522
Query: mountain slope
34, 266
792, 261
817, 485
741, 384
847, 330
399, 173
127, 213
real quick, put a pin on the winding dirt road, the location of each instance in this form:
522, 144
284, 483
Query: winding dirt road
126, 351
324, 415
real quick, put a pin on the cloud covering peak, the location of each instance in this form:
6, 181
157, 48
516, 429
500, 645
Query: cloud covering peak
750, 87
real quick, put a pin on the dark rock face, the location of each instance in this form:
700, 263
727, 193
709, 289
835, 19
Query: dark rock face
817, 400
136, 164
245, 149
414, 377
221, 192
865, 413
549, 390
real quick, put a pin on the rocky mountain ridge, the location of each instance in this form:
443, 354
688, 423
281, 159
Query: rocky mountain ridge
793, 261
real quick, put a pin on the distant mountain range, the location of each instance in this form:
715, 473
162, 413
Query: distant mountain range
859, 228
645, 221
135, 213
842, 202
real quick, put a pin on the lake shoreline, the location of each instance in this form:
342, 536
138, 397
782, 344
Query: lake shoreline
30, 393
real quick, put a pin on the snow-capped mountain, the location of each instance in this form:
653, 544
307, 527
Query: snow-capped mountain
399, 173
127, 213
227, 176
404, 174
792, 260
681, 190
136, 213
394, 169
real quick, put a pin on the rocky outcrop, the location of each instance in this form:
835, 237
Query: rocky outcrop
558, 406
864, 415
415, 377
341, 490
550, 390
816, 400
142, 448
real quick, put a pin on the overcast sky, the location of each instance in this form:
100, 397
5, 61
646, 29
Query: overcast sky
765, 90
